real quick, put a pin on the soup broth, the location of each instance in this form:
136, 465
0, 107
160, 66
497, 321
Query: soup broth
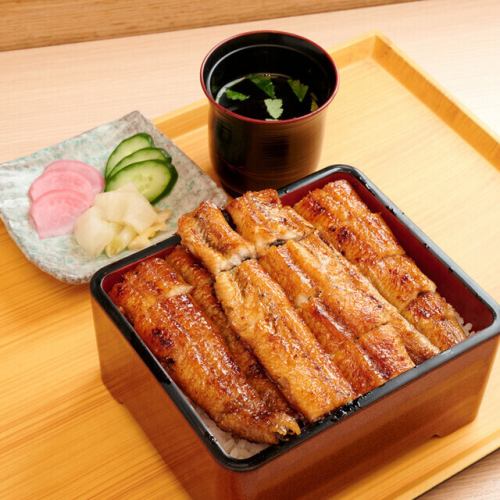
268, 96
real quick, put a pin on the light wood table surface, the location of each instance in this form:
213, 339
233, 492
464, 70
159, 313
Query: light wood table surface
49, 402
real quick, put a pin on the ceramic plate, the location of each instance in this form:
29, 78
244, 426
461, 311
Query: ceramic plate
61, 256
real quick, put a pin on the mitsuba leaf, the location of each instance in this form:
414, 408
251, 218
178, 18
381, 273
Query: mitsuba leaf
264, 83
236, 96
314, 102
274, 107
299, 88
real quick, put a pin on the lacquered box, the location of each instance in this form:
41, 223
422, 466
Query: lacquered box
432, 399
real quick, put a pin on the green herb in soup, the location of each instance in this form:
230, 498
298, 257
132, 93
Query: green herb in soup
274, 107
268, 96
236, 96
264, 82
314, 102
299, 89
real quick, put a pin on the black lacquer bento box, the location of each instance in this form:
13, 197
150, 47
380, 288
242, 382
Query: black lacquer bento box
432, 399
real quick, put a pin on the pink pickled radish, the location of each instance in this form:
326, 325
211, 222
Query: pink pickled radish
61, 181
92, 175
54, 213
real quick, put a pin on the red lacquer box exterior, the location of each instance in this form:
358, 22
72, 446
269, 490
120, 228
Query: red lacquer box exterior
435, 398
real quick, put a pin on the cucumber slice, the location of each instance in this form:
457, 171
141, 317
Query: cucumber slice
153, 178
141, 155
127, 147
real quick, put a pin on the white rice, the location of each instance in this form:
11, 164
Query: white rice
466, 326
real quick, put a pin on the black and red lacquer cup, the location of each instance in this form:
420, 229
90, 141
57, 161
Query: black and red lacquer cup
248, 153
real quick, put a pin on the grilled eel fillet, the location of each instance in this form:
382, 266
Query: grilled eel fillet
194, 273
187, 345
365, 239
264, 318
262, 220
207, 235
260, 313
352, 322
365, 297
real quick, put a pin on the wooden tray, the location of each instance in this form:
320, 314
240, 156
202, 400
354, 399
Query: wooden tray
440, 166
63, 435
